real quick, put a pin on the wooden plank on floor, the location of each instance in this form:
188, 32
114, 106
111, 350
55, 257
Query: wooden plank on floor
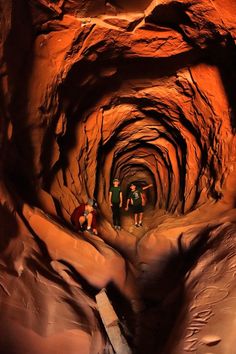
111, 324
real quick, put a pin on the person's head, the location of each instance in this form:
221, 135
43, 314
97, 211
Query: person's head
91, 205
132, 187
116, 182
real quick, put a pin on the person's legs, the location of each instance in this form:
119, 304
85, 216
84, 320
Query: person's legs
116, 214
118, 217
136, 219
140, 218
82, 220
89, 220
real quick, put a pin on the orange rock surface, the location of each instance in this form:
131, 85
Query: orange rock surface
139, 90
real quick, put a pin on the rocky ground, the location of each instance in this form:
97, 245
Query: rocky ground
139, 90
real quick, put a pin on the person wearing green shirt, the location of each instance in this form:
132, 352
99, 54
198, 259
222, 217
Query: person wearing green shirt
135, 198
115, 200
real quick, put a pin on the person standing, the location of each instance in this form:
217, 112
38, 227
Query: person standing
135, 198
115, 200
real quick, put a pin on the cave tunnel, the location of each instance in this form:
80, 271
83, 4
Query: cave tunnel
142, 91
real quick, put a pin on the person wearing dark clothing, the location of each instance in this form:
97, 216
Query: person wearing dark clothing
84, 217
115, 200
135, 198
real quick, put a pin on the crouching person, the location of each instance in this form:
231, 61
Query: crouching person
84, 217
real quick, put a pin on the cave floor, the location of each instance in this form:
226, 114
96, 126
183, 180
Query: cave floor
162, 220
151, 219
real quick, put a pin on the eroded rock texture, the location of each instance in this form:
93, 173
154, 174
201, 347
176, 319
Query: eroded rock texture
140, 90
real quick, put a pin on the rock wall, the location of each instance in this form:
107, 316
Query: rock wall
139, 90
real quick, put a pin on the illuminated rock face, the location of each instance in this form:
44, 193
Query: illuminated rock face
139, 90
